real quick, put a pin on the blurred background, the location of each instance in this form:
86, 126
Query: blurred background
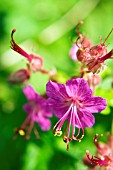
46, 27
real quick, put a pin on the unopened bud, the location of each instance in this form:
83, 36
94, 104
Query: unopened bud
20, 76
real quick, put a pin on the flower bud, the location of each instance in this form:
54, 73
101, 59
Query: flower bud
20, 76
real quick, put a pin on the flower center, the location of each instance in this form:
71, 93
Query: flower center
76, 102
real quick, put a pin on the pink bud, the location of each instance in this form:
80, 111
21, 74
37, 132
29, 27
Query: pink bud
20, 76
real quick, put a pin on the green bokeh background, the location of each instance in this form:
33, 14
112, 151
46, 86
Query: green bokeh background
46, 27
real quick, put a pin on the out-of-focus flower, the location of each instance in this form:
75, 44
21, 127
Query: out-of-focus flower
37, 111
73, 102
81, 48
104, 154
96, 63
92, 57
20, 76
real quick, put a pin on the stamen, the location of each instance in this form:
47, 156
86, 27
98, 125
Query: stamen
79, 139
61, 121
77, 43
97, 161
107, 36
67, 140
21, 132
77, 31
70, 122
58, 133
36, 133
96, 141
79, 122
30, 127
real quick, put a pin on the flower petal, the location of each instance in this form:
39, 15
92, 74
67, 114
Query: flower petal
27, 108
45, 111
57, 107
29, 93
78, 88
94, 104
84, 119
44, 123
56, 91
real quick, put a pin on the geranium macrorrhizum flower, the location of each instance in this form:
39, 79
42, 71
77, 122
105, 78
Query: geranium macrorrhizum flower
73, 102
104, 154
37, 111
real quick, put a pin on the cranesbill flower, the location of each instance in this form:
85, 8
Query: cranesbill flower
104, 154
92, 57
73, 102
37, 111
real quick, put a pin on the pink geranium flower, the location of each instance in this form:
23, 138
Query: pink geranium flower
104, 154
73, 102
37, 111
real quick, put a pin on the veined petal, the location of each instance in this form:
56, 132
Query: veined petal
83, 89
29, 93
72, 87
58, 107
94, 104
78, 88
84, 119
56, 91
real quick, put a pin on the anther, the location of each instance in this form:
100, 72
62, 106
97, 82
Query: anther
58, 133
21, 132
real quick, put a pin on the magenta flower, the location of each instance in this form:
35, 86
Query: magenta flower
37, 111
73, 102
104, 154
